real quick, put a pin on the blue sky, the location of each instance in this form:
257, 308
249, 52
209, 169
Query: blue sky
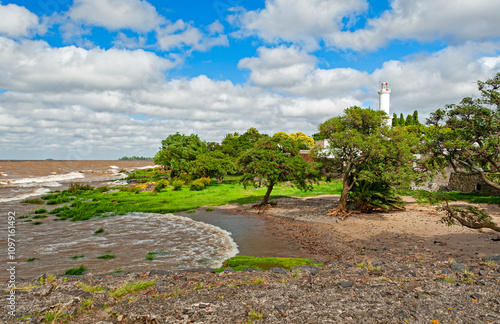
99, 79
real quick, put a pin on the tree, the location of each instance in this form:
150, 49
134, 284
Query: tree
275, 160
415, 118
395, 120
466, 136
178, 151
234, 144
409, 120
213, 164
362, 149
303, 141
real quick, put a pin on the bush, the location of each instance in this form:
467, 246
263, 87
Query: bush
205, 181
186, 178
177, 184
75, 187
77, 271
197, 185
367, 196
40, 211
161, 185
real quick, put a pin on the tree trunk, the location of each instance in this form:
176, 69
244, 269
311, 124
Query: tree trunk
219, 180
341, 209
268, 193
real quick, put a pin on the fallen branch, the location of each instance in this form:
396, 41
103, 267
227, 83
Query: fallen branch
471, 217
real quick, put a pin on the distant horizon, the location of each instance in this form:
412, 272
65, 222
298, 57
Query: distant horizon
94, 79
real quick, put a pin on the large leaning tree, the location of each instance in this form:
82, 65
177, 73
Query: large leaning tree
466, 136
361, 148
179, 151
275, 160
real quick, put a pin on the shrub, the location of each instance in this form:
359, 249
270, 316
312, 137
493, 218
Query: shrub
75, 187
177, 184
206, 181
367, 196
36, 201
161, 185
77, 271
107, 255
197, 185
41, 211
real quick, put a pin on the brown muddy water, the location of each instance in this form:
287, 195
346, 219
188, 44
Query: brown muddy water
180, 241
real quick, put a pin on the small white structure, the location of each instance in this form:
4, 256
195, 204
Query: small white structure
384, 101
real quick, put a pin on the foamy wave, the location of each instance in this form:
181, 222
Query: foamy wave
37, 192
50, 178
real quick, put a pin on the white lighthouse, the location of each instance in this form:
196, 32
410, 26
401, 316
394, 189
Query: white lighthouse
384, 100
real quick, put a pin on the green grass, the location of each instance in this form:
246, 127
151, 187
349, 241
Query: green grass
31, 259
36, 201
429, 197
131, 288
107, 255
99, 230
239, 263
93, 203
89, 288
39, 216
74, 257
76, 271
40, 211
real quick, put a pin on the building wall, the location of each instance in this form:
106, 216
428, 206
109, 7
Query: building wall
470, 183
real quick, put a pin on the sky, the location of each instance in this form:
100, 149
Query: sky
102, 79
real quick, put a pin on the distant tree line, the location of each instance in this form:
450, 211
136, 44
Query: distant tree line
134, 158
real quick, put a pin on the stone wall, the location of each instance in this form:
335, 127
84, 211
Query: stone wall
470, 183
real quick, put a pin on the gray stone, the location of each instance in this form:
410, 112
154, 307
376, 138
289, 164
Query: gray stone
279, 270
306, 269
228, 270
455, 266
493, 258
346, 284
446, 271
377, 263
251, 270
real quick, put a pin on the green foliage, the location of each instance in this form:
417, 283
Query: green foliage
99, 230
272, 161
40, 211
74, 257
465, 136
31, 259
76, 187
213, 164
234, 144
367, 196
241, 262
76, 271
177, 184
178, 151
36, 201
361, 148
161, 185
107, 255
197, 185
130, 288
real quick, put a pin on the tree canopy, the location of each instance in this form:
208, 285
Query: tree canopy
178, 151
361, 148
275, 160
466, 136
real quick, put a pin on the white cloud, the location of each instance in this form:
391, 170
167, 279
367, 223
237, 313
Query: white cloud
425, 20
301, 21
122, 41
35, 66
278, 67
137, 15
16, 21
181, 34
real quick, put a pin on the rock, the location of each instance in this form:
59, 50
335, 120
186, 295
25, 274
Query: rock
476, 296
279, 270
250, 270
346, 284
334, 264
493, 258
306, 269
377, 263
446, 271
455, 266
228, 270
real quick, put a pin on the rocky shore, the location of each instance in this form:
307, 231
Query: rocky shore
393, 267
378, 292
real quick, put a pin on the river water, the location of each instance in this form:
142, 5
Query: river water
179, 241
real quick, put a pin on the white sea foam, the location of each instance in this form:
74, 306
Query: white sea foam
41, 180
37, 192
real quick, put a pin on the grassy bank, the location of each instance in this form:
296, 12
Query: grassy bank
82, 202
